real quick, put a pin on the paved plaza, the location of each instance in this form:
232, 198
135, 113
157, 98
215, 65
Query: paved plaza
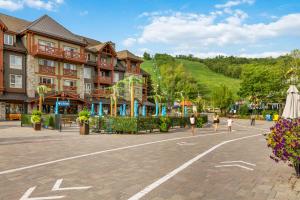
209, 166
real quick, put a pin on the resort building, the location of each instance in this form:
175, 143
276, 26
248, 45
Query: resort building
75, 68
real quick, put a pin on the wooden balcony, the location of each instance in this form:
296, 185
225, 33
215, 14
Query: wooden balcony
46, 70
103, 80
74, 57
107, 66
70, 72
71, 89
101, 93
47, 51
133, 70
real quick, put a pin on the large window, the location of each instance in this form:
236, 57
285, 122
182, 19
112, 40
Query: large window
69, 66
44, 62
88, 88
15, 62
8, 39
15, 81
116, 77
46, 43
46, 80
87, 73
69, 83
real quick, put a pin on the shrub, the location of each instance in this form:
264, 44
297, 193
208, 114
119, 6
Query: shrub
25, 120
49, 121
284, 140
84, 116
37, 112
165, 124
244, 110
199, 122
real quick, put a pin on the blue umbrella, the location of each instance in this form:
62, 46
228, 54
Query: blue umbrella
144, 111
164, 112
136, 107
121, 111
56, 106
156, 109
124, 110
185, 110
100, 109
92, 110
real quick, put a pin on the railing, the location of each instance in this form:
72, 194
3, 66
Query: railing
101, 92
70, 72
108, 66
51, 86
39, 49
70, 88
46, 69
103, 79
134, 70
75, 56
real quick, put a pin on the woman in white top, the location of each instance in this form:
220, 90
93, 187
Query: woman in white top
193, 121
229, 123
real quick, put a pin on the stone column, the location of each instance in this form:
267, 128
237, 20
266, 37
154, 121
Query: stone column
32, 81
2, 111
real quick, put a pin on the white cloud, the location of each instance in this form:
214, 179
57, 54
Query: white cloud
273, 54
129, 42
230, 4
13, 5
83, 13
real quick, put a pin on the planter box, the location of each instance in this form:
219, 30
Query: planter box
84, 129
37, 126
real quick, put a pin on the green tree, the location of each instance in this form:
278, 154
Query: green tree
146, 56
222, 98
42, 91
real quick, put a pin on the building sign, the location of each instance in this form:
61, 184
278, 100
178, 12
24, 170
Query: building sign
63, 103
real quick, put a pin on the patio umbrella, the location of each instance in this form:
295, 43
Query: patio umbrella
93, 109
136, 107
156, 109
185, 111
292, 106
100, 112
163, 111
121, 110
144, 111
56, 107
124, 110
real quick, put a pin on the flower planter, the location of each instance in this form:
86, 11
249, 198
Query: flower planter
84, 129
37, 126
297, 169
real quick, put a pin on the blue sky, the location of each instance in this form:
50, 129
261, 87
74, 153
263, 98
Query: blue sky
205, 28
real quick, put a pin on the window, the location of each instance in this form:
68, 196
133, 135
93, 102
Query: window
44, 62
8, 39
71, 49
116, 77
69, 66
15, 62
69, 83
46, 43
103, 60
89, 56
46, 80
87, 73
88, 88
15, 81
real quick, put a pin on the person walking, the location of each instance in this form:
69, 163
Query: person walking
193, 122
216, 121
252, 123
229, 123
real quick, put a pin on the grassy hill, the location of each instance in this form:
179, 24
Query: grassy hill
202, 74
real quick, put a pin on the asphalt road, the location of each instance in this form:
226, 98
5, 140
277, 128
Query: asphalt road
176, 165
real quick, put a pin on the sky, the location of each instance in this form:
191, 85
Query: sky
204, 28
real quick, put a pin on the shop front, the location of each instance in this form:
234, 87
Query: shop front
12, 106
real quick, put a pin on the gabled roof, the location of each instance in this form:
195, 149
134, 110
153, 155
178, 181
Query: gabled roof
13, 24
47, 25
127, 54
90, 42
100, 46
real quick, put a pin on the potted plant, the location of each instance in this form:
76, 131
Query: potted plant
284, 140
165, 124
83, 120
36, 119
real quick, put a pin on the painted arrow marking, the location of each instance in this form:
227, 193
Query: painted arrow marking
236, 165
27, 194
58, 183
56, 187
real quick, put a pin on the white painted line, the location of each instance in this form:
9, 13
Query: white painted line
235, 165
160, 181
185, 144
56, 186
102, 152
27, 194
239, 161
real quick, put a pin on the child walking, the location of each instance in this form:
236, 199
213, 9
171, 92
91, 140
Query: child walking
193, 121
229, 123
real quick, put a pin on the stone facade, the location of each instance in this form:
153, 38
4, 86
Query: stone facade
80, 83
2, 111
31, 77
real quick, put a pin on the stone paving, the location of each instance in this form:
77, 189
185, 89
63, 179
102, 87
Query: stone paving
120, 166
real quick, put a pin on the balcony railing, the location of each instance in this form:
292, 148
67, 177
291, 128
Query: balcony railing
101, 92
104, 79
70, 72
74, 56
50, 86
46, 70
108, 66
133, 70
47, 51
72, 89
